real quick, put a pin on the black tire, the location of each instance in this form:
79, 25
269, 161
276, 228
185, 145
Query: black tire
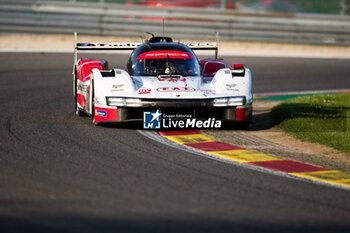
234, 125
93, 103
244, 126
77, 110
75, 90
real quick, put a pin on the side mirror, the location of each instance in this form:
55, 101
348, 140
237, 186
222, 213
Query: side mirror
237, 66
238, 70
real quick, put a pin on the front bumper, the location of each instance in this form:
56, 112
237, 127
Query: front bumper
242, 113
176, 103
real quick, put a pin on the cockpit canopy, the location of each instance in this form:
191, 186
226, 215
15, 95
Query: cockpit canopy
162, 58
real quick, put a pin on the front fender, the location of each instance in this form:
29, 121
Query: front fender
115, 82
227, 84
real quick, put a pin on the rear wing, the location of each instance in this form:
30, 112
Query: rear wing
132, 46
204, 46
100, 46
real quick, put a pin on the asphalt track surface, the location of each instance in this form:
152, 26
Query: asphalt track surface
59, 173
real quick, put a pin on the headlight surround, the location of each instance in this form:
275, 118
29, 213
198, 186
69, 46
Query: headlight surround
137, 102
234, 101
220, 102
122, 102
230, 101
134, 102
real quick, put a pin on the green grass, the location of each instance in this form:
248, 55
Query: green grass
324, 119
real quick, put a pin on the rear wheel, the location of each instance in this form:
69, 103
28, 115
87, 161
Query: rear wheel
78, 111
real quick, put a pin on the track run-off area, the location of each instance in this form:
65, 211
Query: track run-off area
60, 173
214, 148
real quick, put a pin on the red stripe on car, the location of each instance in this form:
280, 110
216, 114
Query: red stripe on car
163, 54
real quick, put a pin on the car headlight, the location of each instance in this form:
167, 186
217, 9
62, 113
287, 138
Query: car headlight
231, 101
133, 102
114, 101
220, 102
121, 102
235, 101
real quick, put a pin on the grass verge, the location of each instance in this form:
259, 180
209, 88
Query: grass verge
324, 119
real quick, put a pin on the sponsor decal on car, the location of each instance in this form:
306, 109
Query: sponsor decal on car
101, 113
119, 45
207, 91
82, 87
144, 91
117, 88
176, 89
231, 87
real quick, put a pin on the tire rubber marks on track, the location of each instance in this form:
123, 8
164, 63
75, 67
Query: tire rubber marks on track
196, 140
331, 176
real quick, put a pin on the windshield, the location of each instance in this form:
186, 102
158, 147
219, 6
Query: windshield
166, 62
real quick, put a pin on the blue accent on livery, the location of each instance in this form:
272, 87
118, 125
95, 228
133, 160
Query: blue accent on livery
152, 120
101, 113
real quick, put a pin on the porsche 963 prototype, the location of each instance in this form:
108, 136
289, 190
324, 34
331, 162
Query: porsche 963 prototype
160, 75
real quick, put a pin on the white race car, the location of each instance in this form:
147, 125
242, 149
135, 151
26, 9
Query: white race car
160, 75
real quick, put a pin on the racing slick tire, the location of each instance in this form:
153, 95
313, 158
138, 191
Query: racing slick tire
93, 103
77, 110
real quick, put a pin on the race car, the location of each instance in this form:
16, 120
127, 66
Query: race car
163, 76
